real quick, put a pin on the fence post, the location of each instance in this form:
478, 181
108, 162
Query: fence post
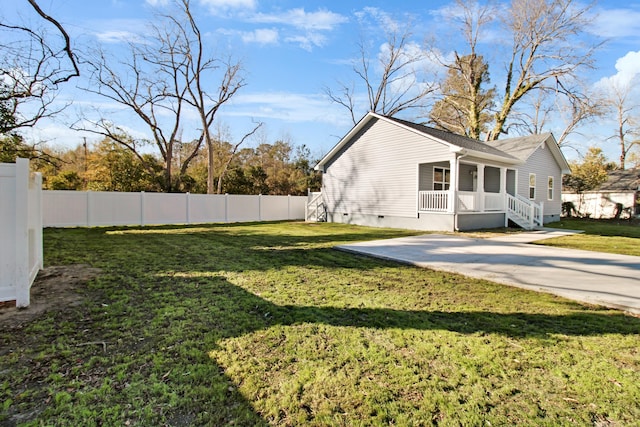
22, 233
187, 200
289, 207
259, 207
89, 208
39, 250
226, 207
142, 208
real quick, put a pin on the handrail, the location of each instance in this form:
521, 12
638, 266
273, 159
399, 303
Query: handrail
315, 208
524, 210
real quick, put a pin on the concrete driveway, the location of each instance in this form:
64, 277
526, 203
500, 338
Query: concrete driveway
593, 277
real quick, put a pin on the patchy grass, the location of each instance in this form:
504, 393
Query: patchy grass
617, 237
265, 324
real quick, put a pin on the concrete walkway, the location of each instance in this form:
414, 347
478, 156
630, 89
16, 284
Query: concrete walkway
593, 277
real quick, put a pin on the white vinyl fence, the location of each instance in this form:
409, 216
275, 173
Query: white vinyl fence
94, 208
601, 204
20, 231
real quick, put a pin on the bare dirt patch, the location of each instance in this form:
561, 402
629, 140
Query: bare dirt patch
55, 288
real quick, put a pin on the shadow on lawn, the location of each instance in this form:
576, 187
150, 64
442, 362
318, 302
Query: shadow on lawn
217, 309
250, 309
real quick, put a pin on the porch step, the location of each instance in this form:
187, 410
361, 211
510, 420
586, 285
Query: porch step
521, 222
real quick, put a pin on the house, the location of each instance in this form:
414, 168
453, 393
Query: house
388, 172
621, 190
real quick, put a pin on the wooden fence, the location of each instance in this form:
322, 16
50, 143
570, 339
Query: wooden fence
94, 208
20, 231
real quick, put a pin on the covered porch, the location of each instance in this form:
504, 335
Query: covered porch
459, 187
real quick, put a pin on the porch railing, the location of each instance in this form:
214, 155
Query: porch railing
433, 201
494, 202
467, 201
524, 212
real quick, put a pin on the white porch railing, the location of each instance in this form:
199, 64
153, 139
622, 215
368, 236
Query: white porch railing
524, 212
468, 201
494, 202
433, 201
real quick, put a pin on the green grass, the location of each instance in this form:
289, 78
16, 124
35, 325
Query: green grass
618, 237
265, 324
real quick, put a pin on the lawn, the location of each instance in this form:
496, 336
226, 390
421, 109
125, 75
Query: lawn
618, 237
265, 324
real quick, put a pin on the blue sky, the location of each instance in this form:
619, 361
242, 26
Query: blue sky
291, 50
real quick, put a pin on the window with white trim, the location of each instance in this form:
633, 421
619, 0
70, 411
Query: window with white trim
441, 178
550, 188
532, 186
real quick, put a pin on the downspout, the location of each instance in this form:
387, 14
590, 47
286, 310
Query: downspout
460, 153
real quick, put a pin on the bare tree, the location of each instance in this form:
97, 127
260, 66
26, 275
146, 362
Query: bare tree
33, 63
627, 133
545, 51
165, 76
392, 82
568, 108
196, 72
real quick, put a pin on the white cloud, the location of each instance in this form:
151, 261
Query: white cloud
116, 36
262, 36
311, 24
155, 3
308, 41
119, 30
628, 70
218, 7
616, 23
382, 18
287, 106
322, 20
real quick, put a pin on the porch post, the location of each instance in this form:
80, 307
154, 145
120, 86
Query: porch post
481, 187
503, 187
453, 185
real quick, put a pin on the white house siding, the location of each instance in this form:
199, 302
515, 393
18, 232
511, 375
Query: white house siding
426, 174
466, 176
543, 164
376, 173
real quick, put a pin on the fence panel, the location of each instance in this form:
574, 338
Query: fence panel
104, 208
63, 208
163, 208
274, 208
20, 231
77, 208
243, 208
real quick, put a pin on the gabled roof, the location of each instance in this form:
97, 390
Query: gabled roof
455, 142
622, 180
524, 146
455, 139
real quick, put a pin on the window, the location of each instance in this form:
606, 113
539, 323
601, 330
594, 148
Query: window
550, 188
441, 178
532, 186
